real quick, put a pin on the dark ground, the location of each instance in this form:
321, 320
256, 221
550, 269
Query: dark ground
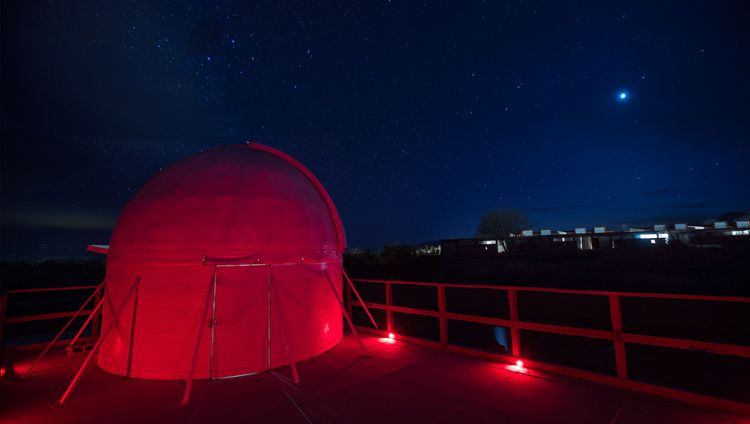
671, 269
28, 275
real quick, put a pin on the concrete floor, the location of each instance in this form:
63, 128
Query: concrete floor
390, 383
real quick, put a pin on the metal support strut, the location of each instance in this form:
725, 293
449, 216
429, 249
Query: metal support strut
98, 344
343, 308
361, 302
284, 335
65, 327
73, 341
203, 324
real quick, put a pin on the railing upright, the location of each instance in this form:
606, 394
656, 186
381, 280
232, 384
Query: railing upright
96, 321
348, 298
515, 335
443, 319
3, 307
389, 303
616, 318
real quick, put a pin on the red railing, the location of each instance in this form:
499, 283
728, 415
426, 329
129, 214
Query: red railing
616, 335
18, 319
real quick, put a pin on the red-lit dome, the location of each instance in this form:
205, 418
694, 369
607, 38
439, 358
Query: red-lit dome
230, 201
244, 233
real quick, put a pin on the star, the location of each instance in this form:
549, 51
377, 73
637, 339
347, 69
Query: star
622, 96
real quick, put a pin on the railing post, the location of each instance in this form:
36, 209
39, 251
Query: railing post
348, 299
389, 303
3, 308
515, 335
95, 322
616, 318
443, 319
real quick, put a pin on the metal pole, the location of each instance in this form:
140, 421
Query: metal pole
268, 317
98, 306
616, 318
389, 303
3, 307
194, 363
213, 326
343, 309
443, 319
515, 336
96, 323
132, 331
85, 364
292, 363
65, 327
361, 302
348, 299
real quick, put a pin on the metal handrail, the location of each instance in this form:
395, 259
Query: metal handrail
17, 319
614, 335
565, 291
51, 289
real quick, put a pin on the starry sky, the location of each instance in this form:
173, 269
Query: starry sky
417, 117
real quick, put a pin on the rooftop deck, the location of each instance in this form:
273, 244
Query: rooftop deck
390, 382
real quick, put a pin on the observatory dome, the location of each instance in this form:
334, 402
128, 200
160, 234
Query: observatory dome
228, 261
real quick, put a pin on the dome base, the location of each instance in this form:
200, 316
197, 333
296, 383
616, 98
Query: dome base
256, 315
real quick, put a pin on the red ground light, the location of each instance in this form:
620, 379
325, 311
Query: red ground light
243, 236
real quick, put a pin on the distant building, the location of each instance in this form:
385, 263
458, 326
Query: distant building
715, 234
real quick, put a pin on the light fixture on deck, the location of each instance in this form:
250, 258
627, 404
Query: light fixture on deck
391, 339
518, 367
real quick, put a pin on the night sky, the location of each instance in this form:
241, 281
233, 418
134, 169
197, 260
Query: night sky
416, 117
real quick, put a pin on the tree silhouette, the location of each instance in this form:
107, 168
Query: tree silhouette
500, 223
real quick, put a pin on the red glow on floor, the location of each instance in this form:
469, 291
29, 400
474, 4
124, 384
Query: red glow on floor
425, 374
19, 367
391, 339
2, 372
